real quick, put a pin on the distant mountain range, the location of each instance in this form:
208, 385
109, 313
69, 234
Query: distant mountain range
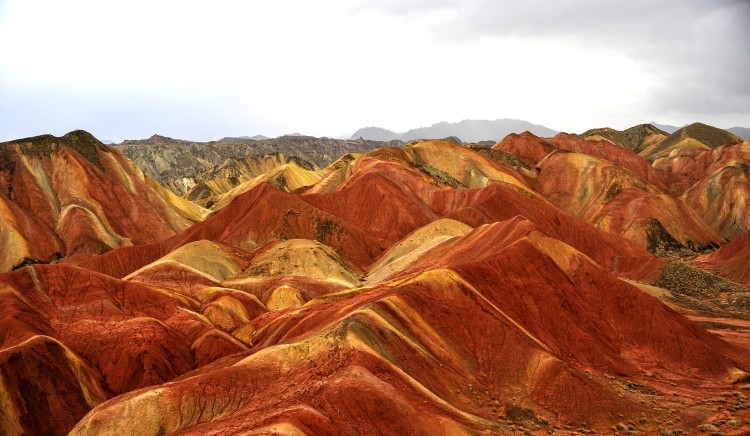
243, 138
742, 132
254, 138
666, 127
466, 131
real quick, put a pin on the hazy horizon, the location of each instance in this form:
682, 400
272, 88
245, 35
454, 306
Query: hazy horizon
201, 71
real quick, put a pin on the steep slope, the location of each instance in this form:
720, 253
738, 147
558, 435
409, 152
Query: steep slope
404, 253
378, 196
254, 219
721, 196
73, 195
617, 155
519, 241
732, 260
46, 387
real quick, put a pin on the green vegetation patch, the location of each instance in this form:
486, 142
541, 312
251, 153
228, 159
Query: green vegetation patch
614, 189
437, 174
659, 239
86, 145
523, 416
502, 157
701, 290
326, 229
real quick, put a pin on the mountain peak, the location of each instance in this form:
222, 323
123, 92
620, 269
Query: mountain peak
83, 142
160, 138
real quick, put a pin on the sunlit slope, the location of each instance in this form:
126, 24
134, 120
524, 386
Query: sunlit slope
73, 195
559, 285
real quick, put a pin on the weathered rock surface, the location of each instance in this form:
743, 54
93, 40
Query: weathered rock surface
429, 289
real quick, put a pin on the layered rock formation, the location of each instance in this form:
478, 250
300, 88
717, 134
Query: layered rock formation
428, 289
73, 195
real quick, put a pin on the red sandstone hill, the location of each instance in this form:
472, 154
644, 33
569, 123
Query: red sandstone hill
74, 195
429, 289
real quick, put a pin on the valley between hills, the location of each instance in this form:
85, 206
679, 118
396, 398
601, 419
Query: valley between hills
574, 284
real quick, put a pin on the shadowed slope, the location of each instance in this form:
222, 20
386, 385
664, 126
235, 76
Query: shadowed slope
732, 260
45, 388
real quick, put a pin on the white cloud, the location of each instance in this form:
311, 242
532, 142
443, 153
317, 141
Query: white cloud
203, 70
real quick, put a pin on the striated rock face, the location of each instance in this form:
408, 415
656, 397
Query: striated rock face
75, 196
692, 199
428, 289
732, 260
720, 192
170, 160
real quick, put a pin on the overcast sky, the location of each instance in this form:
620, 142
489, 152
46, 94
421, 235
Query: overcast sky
207, 69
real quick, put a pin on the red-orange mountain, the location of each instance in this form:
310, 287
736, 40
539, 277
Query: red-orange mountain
73, 195
549, 286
